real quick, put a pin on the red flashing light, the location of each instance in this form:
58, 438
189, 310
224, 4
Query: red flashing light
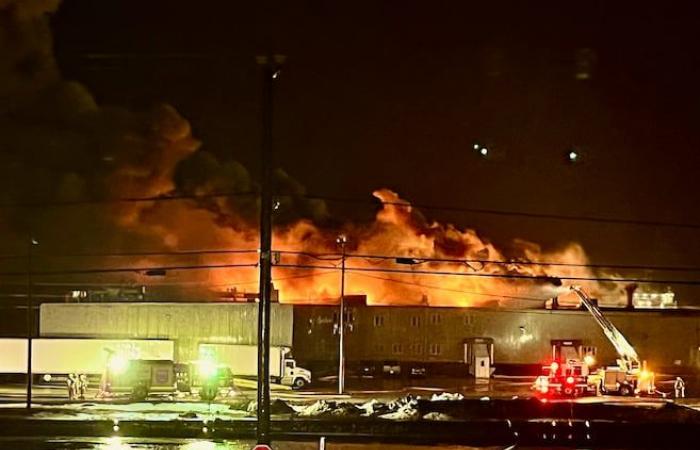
570, 380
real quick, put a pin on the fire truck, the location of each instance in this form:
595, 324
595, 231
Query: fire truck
630, 376
569, 373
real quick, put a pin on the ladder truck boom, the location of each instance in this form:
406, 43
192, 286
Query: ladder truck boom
629, 360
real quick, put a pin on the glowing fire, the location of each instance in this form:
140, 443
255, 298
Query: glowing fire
396, 231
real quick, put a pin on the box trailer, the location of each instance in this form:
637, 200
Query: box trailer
242, 360
80, 356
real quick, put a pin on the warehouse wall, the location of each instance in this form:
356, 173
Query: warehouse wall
187, 323
666, 339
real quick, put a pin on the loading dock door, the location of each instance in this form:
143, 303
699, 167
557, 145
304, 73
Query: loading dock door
478, 355
482, 361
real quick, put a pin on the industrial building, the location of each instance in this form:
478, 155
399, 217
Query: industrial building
188, 324
435, 338
438, 337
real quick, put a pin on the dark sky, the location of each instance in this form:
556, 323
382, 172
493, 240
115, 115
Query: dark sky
394, 94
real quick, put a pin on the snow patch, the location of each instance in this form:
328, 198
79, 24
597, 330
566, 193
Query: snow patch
315, 409
437, 417
446, 396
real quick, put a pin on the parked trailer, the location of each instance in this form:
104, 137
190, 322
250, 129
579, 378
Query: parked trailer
13, 356
243, 361
59, 357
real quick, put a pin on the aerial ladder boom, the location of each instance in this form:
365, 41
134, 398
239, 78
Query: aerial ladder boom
629, 360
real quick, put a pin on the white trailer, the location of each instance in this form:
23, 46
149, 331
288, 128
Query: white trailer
243, 362
80, 356
13, 356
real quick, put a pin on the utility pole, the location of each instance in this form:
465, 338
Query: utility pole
30, 319
342, 241
271, 68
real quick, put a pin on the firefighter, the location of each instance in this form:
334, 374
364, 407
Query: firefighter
82, 385
71, 384
679, 387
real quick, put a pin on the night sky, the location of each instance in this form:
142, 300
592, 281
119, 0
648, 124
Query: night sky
395, 94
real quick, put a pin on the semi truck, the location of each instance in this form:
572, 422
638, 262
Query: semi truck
242, 360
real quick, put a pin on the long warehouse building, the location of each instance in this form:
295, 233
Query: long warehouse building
431, 337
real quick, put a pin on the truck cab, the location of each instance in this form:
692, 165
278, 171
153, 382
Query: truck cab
293, 375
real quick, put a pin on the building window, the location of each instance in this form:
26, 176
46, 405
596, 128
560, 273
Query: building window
435, 349
417, 349
397, 349
435, 319
378, 321
468, 320
415, 321
379, 348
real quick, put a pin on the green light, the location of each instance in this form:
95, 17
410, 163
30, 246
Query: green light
207, 368
117, 364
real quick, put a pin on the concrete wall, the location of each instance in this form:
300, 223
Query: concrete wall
188, 324
663, 338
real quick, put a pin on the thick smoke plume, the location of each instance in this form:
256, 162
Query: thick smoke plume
59, 146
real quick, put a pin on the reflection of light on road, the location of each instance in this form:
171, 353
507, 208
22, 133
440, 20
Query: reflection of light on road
115, 443
199, 445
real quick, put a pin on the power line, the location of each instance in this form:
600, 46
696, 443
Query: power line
181, 283
420, 260
125, 254
351, 200
291, 277
439, 288
543, 278
338, 257
128, 270
157, 198
498, 212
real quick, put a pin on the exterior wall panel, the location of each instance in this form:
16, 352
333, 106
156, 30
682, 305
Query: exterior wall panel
663, 338
188, 324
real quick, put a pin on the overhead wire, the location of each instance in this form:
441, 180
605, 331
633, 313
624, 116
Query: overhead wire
440, 288
352, 200
142, 270
467, 261
127, 254
553, 279
110, 200
499, 212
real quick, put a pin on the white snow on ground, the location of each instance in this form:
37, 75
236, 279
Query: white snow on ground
315, 409
437, 416
138, 411
368, 407
446, 396
407, 411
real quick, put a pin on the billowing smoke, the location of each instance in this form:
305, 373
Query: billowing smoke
59, 145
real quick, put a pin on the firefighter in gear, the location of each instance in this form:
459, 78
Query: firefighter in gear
82, 385
71, 383
679, 387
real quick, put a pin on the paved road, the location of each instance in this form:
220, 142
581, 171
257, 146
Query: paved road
359, 390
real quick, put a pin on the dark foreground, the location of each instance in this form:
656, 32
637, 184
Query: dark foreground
501, 423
